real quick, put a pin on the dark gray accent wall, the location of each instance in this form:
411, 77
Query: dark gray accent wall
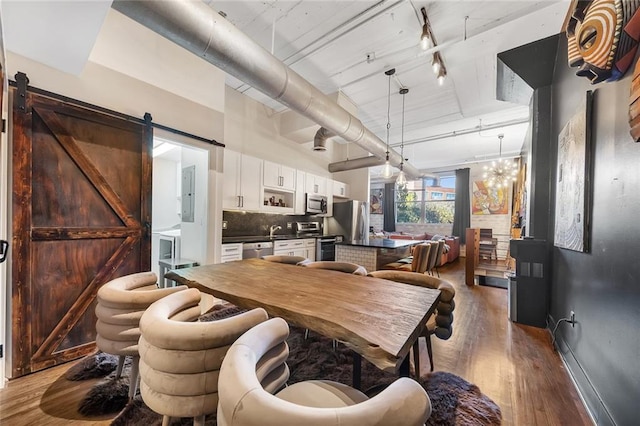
602, 287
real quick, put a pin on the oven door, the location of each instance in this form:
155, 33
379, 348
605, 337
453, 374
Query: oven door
326, 249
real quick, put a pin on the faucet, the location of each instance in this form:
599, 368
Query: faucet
273, 229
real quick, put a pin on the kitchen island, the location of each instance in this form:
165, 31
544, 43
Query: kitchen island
374, 253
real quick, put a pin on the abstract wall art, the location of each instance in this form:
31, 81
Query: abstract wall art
573, 180
489, 199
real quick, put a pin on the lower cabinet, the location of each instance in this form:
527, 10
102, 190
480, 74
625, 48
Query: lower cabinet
231, 252
289, 248
310, 248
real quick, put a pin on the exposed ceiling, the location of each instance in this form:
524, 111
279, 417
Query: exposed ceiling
346, 46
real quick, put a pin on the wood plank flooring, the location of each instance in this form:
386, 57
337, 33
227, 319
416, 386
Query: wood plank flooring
513, 364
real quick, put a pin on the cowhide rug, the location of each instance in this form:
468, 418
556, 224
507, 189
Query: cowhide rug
454, 400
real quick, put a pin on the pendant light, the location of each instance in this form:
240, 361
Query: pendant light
386, 169
501, 173
401, 180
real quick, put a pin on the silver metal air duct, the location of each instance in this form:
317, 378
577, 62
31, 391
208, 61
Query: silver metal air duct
356, 163
320, 139
199, 29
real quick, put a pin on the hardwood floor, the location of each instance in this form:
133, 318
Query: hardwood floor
513, 364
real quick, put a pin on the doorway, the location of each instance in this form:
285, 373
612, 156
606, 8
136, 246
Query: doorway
179, 199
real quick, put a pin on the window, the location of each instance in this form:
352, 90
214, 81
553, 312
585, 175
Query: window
427, 200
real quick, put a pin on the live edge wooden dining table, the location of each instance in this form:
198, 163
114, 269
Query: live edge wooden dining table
378, 319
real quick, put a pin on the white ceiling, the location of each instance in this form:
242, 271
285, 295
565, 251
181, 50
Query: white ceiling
328, 43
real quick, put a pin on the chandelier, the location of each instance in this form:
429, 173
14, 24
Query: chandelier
502, 172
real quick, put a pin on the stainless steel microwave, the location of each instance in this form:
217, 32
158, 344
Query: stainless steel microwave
316, 204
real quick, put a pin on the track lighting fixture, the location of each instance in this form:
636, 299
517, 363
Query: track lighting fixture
427, 40
386, 169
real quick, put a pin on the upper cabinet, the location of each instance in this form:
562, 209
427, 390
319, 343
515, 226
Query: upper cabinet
340, 189
279, 177
315, 184
252, 184
242, 176
300, 193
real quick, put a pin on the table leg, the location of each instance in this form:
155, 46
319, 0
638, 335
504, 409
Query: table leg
357, 370
403, 371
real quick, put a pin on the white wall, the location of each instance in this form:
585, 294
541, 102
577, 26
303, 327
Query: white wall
104, 87
164, 194
252, 128
194, 235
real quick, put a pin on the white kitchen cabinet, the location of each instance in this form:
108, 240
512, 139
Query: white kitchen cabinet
300, 196
340, 189
310, 248
315, 184
242, 178
278, 176
289, 248
231, 252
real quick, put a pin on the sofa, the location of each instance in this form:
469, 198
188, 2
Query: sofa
452, 244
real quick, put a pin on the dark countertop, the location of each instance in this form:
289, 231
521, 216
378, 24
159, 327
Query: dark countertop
382, 243
264, 238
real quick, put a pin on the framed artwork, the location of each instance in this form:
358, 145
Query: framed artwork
573, 180
489, 200
376, 200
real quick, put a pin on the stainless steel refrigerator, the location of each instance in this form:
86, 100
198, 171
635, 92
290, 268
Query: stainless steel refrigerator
350, 220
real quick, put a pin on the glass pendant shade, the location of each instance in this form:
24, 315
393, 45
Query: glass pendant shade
387, 172
401, 180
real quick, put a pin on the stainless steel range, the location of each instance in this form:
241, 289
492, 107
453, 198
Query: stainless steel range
325, 244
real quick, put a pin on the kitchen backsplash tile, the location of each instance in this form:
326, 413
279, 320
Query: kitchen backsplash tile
242, 224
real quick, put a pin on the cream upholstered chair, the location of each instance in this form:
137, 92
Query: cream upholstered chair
439, 250
291, 260
121, 303
349, 268
419, 260
180, 359
254, 369
441, 322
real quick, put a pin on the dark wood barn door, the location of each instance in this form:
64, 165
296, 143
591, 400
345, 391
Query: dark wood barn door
81, 215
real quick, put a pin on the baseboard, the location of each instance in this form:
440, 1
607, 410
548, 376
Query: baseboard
587, 393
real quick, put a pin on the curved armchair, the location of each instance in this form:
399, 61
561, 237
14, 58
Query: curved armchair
349, 268
256, 358
439, 250
180, 360
441, 322
121, 303
291, 260
419, 261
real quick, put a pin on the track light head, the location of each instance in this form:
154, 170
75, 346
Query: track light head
442, 74
425, 38
435, 64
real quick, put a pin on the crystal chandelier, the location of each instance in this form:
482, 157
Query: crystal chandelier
502, 172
